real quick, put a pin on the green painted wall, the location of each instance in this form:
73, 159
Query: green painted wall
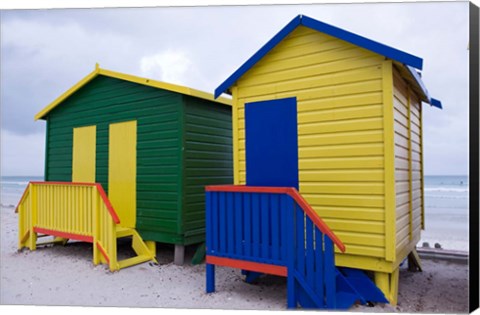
173, 131
207, 159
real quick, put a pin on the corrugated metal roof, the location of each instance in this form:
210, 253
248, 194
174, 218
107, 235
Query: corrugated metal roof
406, 59
127, 77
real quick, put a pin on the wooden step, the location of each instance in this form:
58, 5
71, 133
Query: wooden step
133, 261
55, 240
138, 245
124, 232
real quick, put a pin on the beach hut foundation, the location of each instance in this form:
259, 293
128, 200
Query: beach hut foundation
179, 255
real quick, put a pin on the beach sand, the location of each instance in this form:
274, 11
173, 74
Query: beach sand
65, 275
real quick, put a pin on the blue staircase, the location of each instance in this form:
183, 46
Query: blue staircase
358, 289
274, 230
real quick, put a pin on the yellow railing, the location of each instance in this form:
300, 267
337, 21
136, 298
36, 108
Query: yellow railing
65, 208
105, 249
79, 211
25, 222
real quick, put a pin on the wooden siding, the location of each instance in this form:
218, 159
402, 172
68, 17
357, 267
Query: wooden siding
104, 101
207, 160
338, 87
408, 165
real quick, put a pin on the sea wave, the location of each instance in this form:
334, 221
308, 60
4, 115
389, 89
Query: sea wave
447, 189
439, 197
9, 205
15, 183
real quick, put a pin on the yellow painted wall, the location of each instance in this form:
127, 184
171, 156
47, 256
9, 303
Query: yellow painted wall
340, 104
84, 154
122, 171
408, 166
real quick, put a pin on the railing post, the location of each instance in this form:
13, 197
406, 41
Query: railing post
287, 202
112, 235
33, 217
319, 270
208, 222
210, 268
329, 265
20, 231
21, 225
210, 278
95, 211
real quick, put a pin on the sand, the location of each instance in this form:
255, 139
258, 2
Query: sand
65, 275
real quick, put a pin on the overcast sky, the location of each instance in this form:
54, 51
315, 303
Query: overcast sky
45, 52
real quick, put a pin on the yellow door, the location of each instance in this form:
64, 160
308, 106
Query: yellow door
122, 171
83, 157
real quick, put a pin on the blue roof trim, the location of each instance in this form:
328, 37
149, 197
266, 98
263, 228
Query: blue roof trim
364, 42
258, 55
436, 103
387, 51
417, 78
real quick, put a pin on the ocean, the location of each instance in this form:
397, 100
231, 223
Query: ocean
446, 212
12, 188
446, 207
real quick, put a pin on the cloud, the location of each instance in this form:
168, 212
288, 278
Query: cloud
169, 66
45, 52
41, 60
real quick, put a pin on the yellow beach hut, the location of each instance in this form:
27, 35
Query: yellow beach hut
359, 130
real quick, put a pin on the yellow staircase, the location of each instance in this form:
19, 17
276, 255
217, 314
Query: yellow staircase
143, 249
77, 211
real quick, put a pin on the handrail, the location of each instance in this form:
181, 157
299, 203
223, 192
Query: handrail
292, 192
99, 187
109, 206
315, 218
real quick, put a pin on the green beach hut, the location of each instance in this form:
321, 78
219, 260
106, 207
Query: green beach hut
153, 146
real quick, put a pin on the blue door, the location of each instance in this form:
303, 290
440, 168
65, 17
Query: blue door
271, 143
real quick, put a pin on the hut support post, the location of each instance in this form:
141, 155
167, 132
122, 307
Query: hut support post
388, 284
414, 262
210, 278
179, 255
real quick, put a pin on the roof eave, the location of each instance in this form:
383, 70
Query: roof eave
426, 96
127, 77
364, 42
166, 86
42, 114
436, 103
258, 55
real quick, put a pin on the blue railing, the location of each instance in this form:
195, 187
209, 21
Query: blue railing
272, 230
248, 226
